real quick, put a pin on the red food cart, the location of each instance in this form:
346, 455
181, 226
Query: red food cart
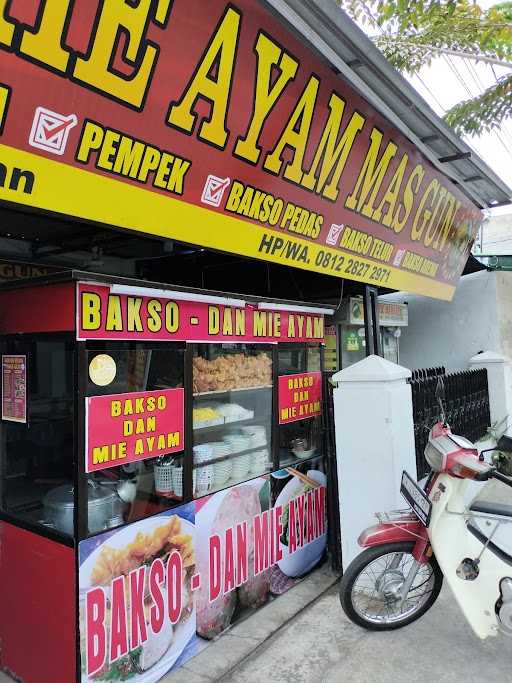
162, 470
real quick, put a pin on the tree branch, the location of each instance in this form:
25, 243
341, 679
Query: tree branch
455, 53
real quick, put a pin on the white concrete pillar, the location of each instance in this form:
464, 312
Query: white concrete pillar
499, 377
374, 444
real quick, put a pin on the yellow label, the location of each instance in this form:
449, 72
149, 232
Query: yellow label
52, 185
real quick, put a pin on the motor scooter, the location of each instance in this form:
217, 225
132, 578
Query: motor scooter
398, 577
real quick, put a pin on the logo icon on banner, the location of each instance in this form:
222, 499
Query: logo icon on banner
50, 130
398, 257
214, 189
334, 234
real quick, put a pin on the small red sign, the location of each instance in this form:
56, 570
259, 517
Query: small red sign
124, 428
14, 388
300, 396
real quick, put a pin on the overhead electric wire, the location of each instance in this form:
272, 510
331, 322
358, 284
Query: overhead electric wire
429, 91
506, 147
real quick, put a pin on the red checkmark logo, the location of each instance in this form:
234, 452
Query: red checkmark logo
51, 132
213, 190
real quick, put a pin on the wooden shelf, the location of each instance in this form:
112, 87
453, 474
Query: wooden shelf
232, 456
222, 425
216, 392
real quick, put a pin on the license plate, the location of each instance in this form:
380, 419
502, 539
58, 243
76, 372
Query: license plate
417, 498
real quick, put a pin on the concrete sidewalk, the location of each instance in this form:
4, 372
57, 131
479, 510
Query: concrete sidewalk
304, 637
322, 645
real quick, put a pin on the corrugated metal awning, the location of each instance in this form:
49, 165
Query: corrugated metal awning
329, 31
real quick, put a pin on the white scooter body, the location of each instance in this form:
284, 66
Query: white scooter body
452, 542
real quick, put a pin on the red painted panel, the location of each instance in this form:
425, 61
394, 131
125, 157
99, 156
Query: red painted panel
48, 308
37, 607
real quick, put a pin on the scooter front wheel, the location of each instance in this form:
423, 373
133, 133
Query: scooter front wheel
371, 590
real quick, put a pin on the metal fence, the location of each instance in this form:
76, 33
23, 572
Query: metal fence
466, 404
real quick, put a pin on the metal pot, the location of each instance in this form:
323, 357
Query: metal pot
59, 506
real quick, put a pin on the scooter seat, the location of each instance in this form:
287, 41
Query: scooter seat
489, 508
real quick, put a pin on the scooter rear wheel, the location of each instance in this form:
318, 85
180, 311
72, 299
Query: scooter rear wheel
370, 588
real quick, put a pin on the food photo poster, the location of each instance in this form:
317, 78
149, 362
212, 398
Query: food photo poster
152, 594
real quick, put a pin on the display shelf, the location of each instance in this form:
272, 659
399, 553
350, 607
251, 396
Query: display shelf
294, 460
231, 456
235, 481
216, 392
221, 425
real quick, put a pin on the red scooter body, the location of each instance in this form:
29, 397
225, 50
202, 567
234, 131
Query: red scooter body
406, 528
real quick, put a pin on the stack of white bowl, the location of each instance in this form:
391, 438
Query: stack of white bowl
260, 461
221, 470
204, 480
241, 466
239, 442
202, 453
177, 481
257, 433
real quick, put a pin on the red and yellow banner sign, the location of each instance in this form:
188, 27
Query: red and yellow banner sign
221, 129
123, 428
103, 314
300, 396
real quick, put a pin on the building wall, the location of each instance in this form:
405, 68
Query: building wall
449, 333
496, 235
504, 298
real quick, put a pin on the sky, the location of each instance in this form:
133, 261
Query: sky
450, 80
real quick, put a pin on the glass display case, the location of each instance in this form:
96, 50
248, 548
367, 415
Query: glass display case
299, 370
148, 431
234, 398
38, 453
232, 414
127, 492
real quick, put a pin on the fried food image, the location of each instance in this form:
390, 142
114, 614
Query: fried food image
143, 550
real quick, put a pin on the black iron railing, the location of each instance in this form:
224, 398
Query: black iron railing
466, 403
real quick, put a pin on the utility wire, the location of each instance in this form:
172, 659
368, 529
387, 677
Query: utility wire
468, 90
432, 94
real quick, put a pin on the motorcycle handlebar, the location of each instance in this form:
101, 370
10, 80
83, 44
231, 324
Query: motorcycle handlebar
501, 477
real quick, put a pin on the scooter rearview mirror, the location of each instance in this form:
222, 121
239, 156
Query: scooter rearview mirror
440, 389
504, 444
440, 395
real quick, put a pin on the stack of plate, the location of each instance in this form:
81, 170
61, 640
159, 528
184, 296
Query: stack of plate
177, 481
204, 480
260, 461
221, 470
257, 433
202, 453
241, 466
238, 442
232, 412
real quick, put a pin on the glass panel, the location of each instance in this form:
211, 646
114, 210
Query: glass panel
37, 457
232, 414
125, 493
353, 345
301, 439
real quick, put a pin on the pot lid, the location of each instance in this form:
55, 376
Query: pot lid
64, 496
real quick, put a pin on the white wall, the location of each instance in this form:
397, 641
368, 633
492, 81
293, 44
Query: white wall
450, 333
497, 235
504, 292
